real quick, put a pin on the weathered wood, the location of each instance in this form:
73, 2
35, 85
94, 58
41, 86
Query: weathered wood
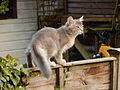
20, 53
115, 76
96, 5
91, 0
26, 5
91, 8
18, 27
82, 50
14, 45
92, 74
90, 11
61, 78
18, 21
117, 55
38, 82
27, 13
16, 36
89, 77
16, 33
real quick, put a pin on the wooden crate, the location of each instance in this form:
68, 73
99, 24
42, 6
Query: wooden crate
93, 74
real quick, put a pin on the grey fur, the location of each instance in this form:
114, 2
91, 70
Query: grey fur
49, 42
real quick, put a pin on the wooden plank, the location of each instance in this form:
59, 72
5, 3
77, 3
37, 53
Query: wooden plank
90, 11
92, 5
114, 75
89, 18
91, 1
117, 55
88, 61
18, 27
16, 21
118, 84
89, 77
14, 45
82, 50
27, 13
61, 78
27, 5
15, 53
24, 0
42, 83
5, 37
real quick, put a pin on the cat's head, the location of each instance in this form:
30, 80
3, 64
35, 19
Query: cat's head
75, 26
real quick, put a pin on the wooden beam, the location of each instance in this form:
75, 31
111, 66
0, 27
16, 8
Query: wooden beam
106, 59
82, 50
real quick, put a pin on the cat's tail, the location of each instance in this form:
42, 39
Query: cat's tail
40, 58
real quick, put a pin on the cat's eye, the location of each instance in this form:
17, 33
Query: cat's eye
78, 27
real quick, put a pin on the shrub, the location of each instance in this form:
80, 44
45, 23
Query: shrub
11, 74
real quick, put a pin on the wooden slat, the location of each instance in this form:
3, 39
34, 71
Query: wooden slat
96, 5
90, 11
42, 83
16, 33
27, 13
7, 46
18, 27
74, 63
15, 53
82, 50
89, 77
92, 74
16, 36
91, 1
27, 5
16, 21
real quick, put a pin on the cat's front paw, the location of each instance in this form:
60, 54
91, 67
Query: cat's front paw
62, 62
52, 64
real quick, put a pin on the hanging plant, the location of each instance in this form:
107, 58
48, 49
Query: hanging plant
4, 6
11, 74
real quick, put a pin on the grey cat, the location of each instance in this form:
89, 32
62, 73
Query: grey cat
49, 42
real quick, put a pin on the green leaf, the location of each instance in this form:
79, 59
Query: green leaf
11, 87
20, 88
9, 57
3, 79
24, 70
6, 71
1, 83
13, 80
17, 78
11, 74
17, 68
17, 60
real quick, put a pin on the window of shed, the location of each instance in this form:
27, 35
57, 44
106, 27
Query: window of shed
8, 9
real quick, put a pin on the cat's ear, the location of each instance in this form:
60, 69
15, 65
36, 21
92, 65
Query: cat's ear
81, 19
69, 20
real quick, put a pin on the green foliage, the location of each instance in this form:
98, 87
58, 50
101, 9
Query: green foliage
43, 22
56, 87
11, 74
4, 6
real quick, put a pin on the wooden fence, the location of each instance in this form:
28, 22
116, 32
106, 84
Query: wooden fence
92, 74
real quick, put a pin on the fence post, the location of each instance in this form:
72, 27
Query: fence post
117, 55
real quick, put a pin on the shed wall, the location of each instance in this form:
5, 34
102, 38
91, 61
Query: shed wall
15, 34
